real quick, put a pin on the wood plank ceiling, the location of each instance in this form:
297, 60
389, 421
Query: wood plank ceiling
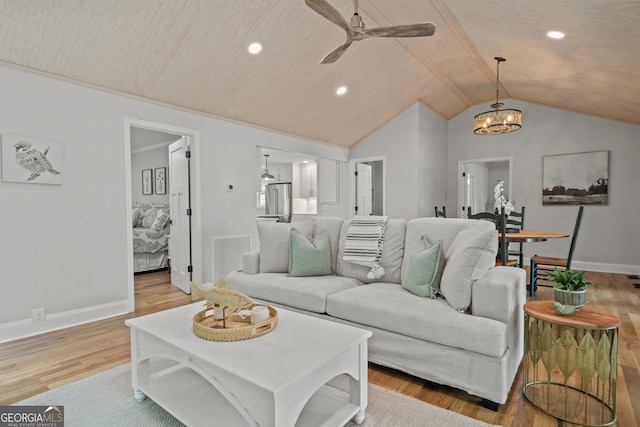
192, 54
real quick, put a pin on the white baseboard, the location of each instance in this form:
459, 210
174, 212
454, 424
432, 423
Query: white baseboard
600, 266
25, 328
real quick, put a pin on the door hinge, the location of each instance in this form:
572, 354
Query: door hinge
187, 154
464, 174
356, 173
356, 209
189, 212
190, 269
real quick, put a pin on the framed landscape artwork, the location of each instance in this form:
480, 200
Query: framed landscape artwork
575, 179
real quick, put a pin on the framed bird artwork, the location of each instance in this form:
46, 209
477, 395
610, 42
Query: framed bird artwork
32, 159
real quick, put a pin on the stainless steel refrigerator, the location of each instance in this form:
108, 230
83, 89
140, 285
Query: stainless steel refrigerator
278, 201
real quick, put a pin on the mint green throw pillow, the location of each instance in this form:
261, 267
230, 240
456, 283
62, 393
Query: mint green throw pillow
424, 271
309, 258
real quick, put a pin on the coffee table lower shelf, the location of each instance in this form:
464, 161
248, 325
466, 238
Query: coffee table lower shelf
194, 401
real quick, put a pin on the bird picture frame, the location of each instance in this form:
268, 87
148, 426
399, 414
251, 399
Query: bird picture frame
32, 159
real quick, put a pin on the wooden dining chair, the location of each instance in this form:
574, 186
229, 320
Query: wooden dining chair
515, 220
543, 265
500, 221
442, 213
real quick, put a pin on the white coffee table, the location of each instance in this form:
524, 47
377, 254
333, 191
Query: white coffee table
278, 379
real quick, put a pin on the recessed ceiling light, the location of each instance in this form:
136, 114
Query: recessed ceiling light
555, 34
255, 48
341, 90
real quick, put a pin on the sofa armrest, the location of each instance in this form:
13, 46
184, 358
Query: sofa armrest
251, 262
500, 293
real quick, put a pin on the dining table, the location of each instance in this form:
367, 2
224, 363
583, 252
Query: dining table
530, 236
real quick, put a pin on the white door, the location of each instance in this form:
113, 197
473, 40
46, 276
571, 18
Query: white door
180, 229
363, 189
470, 193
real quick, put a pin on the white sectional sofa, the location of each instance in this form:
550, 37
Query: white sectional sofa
470, 337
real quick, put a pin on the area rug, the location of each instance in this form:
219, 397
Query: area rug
107, 399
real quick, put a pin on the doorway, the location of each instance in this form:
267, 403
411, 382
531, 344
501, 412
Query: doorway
476, 181
368, 186
131, 125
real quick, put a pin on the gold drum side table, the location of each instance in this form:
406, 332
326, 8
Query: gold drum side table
571, 362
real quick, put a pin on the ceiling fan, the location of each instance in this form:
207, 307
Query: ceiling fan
356, 30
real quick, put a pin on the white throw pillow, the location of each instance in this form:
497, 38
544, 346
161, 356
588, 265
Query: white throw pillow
471, 254
274, 244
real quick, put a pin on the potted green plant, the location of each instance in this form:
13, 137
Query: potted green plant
570, 287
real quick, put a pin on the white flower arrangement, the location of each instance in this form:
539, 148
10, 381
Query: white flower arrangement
500, 200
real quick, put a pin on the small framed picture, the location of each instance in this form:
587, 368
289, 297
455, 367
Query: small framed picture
147, 182
161, 180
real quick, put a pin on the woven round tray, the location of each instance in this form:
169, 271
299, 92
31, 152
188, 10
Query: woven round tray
210, 328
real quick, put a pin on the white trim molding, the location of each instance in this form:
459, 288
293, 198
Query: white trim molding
53, 322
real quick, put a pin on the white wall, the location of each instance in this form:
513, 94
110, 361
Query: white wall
413, 144
64, 247
608, 239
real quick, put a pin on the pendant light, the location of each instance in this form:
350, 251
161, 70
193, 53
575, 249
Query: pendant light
497, 121
266, 175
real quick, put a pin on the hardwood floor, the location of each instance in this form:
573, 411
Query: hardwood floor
33, 365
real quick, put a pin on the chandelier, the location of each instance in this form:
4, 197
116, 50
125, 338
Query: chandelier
497, 121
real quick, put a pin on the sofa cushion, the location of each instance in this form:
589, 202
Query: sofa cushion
392, 253
424, 271
309, 258
331, 226
471, 254
304, 293
390, 307
274, 244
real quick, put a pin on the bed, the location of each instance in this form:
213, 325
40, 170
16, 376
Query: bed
150, 237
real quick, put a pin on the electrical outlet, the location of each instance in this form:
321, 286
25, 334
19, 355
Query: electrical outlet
38, 316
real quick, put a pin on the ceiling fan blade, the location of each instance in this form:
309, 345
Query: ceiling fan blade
325, 9
410, 30
336, 53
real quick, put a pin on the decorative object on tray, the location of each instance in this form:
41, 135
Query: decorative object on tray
208, 327
232, 324
570, 291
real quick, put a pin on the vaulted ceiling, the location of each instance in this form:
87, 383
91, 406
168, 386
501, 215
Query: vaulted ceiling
192, 54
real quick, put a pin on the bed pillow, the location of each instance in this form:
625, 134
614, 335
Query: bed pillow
161, 219
135, 217
424, 271
149, 218
309, 258
471, 254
